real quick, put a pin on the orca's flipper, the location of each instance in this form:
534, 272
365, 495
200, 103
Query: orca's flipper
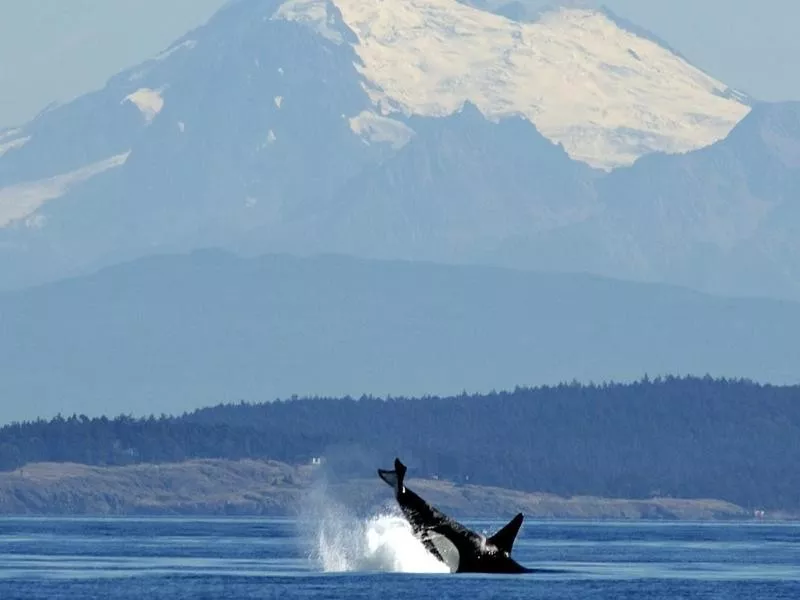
394, 478
504, 539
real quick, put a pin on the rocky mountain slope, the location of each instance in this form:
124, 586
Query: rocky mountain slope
426, 129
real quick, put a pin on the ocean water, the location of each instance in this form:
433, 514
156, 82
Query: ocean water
331, 555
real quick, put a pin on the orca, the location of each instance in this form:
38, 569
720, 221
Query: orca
460, 548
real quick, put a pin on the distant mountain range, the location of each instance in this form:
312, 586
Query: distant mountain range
507, 134
173, 333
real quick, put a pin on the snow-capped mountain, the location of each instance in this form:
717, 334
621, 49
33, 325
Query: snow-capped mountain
607, 95
432, 129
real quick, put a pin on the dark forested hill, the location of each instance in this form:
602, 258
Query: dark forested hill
680, 437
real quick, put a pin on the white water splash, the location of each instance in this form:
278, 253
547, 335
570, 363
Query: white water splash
381, 543
384, 542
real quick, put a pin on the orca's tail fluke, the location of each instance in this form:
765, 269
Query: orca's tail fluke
395, 478
504, 539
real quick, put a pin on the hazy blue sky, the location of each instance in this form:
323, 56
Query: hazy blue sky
56, 49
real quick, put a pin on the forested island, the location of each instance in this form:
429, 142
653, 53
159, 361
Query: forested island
666, 438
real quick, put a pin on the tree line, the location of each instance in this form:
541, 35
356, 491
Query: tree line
682, 437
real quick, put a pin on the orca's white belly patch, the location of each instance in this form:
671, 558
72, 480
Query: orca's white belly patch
446, 549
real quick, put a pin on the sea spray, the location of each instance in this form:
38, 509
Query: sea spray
340, 541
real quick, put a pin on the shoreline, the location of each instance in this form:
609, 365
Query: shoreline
216, 488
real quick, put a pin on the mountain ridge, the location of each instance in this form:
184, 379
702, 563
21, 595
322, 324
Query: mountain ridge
173, 332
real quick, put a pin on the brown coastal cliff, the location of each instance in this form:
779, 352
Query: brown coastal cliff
270, 488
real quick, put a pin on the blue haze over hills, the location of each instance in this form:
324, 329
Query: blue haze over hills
171, 333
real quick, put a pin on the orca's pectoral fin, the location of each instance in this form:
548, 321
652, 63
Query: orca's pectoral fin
431, 547
504, 539
394, 478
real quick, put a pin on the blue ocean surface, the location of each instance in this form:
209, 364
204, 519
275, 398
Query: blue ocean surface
330, 556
